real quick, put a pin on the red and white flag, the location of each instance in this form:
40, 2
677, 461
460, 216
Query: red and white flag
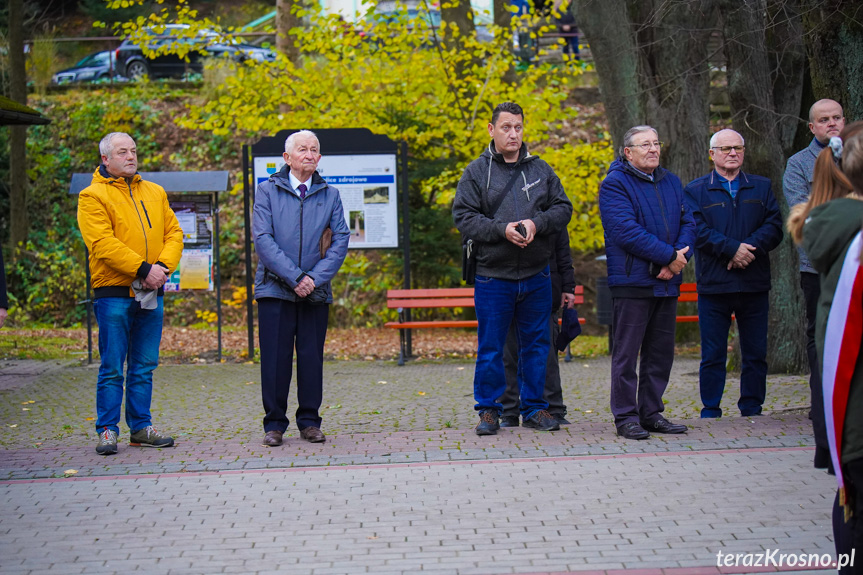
841, 348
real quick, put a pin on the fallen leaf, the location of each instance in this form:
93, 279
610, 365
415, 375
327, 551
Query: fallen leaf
90, 419
421, 393
382, 382
70, 472
459, 368
250, 383
588, 411
372, 537
14, 425
25, 409
31, 401
584, 365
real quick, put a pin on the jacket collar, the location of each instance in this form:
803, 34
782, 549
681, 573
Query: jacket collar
523, 154
658, 173
815, 147
282, 180
101, 175
744, 180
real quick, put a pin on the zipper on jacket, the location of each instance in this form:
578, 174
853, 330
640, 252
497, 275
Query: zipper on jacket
300, 259
664, 217
146, 214
143, 229
719, 204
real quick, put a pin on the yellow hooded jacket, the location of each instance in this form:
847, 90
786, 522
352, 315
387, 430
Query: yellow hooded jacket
126, 227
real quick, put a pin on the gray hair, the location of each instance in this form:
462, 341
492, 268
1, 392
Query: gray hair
289, 143
630, 133
716, 135
106, 145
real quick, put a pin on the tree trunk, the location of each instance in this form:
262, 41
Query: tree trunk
675, 78
503, 18
286, 21
750, 90
652, 67
458, 13
18, 220
787, 59
834, 44
608, 30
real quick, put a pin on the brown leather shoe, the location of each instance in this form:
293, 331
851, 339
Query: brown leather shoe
313, 434
272, 439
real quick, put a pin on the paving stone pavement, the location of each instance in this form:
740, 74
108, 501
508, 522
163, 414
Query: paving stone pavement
403, 485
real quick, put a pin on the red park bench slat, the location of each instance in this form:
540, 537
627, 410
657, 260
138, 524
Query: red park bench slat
402, 299
689, 293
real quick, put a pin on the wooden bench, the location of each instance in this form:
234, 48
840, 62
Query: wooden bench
688, 293
405, 300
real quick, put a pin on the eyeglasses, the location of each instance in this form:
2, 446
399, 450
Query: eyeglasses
647, 145
727, 149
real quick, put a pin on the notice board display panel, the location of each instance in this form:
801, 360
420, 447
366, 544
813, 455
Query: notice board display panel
367, 184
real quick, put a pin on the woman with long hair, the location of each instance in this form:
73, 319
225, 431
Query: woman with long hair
829, 226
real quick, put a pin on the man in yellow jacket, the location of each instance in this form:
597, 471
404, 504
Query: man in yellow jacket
134, 243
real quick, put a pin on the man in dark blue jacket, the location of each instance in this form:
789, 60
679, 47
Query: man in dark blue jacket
737, 223
648, 234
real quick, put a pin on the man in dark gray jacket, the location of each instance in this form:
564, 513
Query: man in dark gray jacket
514, 244
293, 209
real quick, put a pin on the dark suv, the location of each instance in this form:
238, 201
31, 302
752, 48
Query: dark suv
133, 64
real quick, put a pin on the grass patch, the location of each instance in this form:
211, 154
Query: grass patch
34, 345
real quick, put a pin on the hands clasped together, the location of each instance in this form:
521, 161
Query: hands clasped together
745, 255
675, 267
305, 287
156, 278
515, 236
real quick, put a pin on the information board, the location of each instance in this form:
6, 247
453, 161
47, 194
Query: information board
367, 184
195, 214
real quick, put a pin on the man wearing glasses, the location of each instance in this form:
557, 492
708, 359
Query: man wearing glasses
737, 223
648, 234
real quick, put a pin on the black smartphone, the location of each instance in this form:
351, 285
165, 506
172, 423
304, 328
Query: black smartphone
521, 229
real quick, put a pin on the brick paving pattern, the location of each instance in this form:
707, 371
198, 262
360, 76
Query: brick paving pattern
402, 485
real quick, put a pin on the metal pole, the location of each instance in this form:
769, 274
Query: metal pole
218, 274
250, 310
406, 234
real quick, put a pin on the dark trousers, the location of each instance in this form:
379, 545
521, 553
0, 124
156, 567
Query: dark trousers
282, 326
552, 392
714, 320
811, 284
645, 326
849, 535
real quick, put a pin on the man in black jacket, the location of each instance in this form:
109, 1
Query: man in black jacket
562, 295
514, 245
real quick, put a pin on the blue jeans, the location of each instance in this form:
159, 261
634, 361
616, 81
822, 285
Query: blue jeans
714, 320
497, 303
130, 336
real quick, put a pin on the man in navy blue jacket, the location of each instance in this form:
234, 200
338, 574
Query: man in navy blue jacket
648, 234
737, 223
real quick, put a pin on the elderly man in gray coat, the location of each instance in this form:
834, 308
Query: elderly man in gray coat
301, 238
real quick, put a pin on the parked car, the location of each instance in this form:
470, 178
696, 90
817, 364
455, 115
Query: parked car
133, 64
96, 66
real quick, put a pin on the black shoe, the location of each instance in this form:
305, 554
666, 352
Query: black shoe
662, 425
543, 421
632, 430
488, 422
509, 421
561, 419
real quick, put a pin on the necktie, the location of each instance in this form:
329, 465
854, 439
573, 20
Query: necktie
302, 188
